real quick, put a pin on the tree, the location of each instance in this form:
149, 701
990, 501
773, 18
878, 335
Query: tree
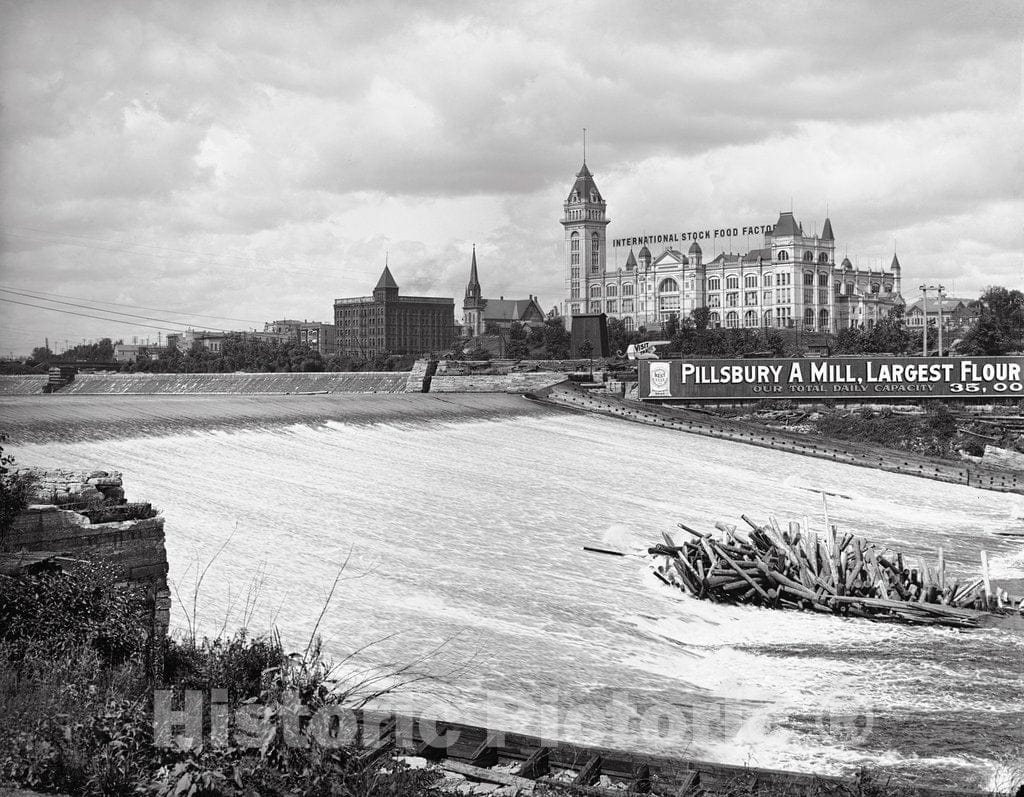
701, 318
1000, 325
14, 490
41, 354
556, 339
518, 348
619, 338
586, 351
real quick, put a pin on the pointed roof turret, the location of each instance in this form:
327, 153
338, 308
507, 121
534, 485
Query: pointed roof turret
895, 265
630, 261
846, 264
786, 225
695, 249
826, 231
645, 254
386, 281
584, 189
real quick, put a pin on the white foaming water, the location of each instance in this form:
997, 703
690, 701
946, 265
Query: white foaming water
468, 536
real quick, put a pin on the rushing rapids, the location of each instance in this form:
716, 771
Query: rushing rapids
462, 538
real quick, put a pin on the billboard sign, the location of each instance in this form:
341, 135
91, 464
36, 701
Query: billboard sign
866, 377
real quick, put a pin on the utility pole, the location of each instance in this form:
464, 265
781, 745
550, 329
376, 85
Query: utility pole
940, 291
924, 328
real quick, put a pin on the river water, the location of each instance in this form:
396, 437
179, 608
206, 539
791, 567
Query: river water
461, 545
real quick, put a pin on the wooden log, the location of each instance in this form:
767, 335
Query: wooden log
792, 586
694, 532
742, 574
985, 578
588, 549
489, 776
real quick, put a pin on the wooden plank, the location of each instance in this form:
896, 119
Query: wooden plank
689, 785
486, 754
536, 765
489, 776
641, 783
590, 772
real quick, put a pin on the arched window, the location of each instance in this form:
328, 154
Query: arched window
809, 256
732, 319
750, 318
808, 317
627, 289
611, 290
714, 321
874, 287
767, 280
783, 255
823, 257
750, 281
595, 291
823, 319
668, 285
767, 318
574, 242
714, 284
595, 252
732, 282
808, 278
627, 322
823, 279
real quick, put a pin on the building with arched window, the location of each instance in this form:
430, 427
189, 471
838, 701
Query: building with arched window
792, 280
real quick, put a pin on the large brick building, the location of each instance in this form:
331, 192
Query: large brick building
319, 337
387, 323
792, 280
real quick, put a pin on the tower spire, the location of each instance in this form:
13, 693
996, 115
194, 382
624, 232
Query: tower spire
584, 146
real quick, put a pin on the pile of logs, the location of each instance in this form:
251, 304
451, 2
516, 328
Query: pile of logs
800, 569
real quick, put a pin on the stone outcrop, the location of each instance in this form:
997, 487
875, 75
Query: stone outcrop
1003, 458
83, 515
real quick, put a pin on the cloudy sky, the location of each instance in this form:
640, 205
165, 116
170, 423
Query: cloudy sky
223, 164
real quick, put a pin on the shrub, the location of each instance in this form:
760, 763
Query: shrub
85, 605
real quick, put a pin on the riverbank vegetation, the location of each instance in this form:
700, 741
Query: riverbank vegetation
78, 674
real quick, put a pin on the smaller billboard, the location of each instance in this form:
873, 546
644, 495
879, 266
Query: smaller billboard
867, 377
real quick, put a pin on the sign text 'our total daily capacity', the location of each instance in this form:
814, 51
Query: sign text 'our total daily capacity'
938, 377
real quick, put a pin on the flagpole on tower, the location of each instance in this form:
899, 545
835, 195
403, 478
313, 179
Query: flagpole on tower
584, 145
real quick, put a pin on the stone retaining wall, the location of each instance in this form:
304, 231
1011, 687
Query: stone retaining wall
495, 383
54, 524
836, 451
243, 383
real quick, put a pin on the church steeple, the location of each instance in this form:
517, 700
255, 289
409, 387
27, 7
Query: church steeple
473, 305
473, 287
